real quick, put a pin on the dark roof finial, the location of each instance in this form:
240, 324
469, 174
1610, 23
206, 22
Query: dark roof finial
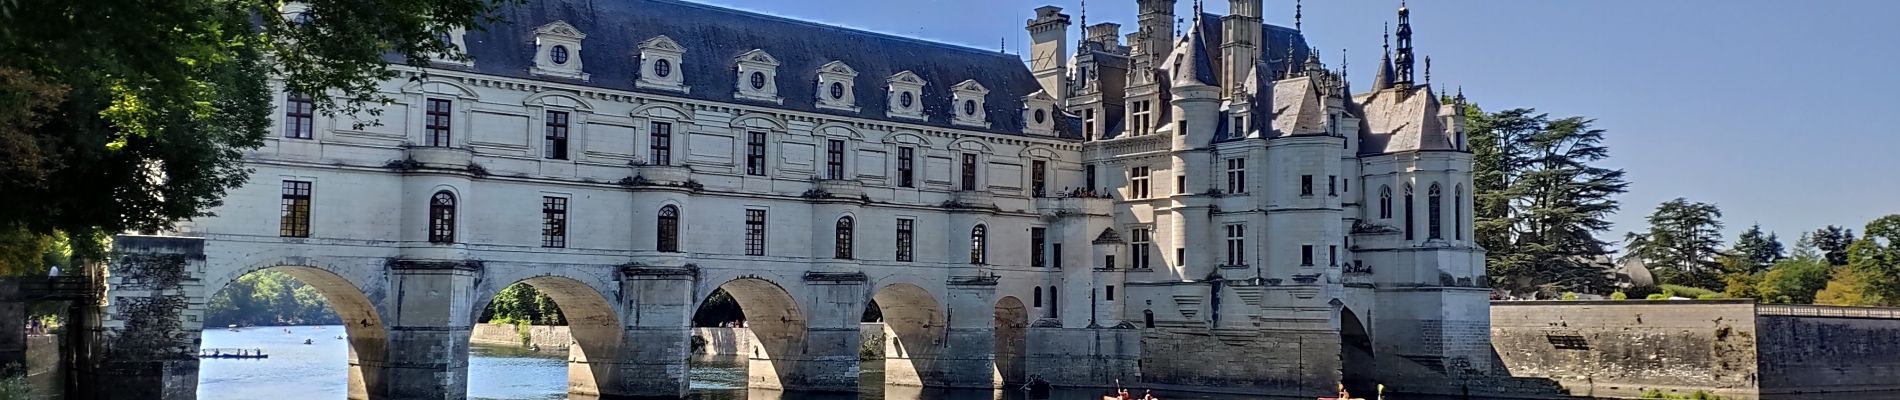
1403, 61
1296, 15
1386, 38
1428, 70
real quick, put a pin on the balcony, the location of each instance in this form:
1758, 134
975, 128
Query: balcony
1075, 205
972, 199
420, 157
665, 175
836, 189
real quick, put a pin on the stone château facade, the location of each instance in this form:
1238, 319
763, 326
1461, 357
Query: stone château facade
1210, 209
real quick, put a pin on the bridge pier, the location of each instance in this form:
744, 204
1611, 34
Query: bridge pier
968, 358
812, 348
150, 334
428, 333
658, 335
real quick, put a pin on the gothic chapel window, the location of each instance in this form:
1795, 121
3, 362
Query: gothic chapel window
1385, 202
667, 239
843, 232
978, 239
1434, 209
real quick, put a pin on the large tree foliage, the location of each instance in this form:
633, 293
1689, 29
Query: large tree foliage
522, 303
1681, 243
1757, 249
1877, 255
1541, 199
268, 298
121, 115
1794, 280
1832, 242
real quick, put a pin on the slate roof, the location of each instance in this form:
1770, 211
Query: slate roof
714, 37
1402, 119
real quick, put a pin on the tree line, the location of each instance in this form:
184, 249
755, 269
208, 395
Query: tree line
268, 297
1543, 201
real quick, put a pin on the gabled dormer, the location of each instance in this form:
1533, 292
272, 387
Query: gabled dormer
906, 94
1039, 115
835, 89
758, 77
967, 104
558, 51
660, 65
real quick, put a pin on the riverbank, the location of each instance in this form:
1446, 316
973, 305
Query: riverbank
709, 341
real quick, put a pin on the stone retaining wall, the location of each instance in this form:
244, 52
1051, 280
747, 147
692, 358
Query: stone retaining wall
548, 337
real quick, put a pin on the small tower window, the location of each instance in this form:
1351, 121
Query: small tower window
662, 68
558, 54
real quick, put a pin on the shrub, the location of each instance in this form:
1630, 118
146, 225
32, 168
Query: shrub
1619, 296
1685, 291
1570, 296
1658, 296
1710, 296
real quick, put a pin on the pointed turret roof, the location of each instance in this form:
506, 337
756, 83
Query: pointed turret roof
1191, 62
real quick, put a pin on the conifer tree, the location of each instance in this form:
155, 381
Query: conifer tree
1681, 245
1832, 242
1541, 199
1759, 250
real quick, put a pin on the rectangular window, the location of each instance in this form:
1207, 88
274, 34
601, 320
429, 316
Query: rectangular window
1138, 247
1236, 244
299, 115
1088, 124
1239, 128
1138, 186
1180, 184
1180, 256
1236, 175
1088, 172
556, 143
1181, 128
969, 171
755, 153
754, 232
1037, 239
834, 159
1332, 185
1111, 293
905, 228
1332, 255
661, 146
1038, 177
1306, 255
437, 122
294, 220
1141, 117
1306, 185
1345, 185
1055, 255
553, 221
1108, 261
906, 167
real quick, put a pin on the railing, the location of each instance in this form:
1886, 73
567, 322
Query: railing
56, 288
1790, 310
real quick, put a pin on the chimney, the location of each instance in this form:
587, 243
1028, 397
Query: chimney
1049, 49
1108, 34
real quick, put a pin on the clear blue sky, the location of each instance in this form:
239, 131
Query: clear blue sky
1781, 113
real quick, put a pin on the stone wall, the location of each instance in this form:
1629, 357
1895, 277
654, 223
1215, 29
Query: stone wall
724, 341
1733, 348
548, 337
1084, 357
1805, 355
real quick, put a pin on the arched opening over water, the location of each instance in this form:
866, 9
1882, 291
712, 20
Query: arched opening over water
595, 334
237, 303
913, 333
772, 317
1357, 369
1012, 334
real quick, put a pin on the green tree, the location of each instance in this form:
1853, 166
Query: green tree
522, 303
120, 115
1832, 242
1681, 243
1794, 281
1541, 199
1760, 250
1849, 286
269, 297
1877, 255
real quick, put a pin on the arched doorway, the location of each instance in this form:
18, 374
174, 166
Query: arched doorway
1357, 369
913, 333
776, 326
593, 351
1012, 328
266, 296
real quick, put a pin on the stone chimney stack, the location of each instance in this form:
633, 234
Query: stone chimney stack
1108, 34
1240, 43
1049, 49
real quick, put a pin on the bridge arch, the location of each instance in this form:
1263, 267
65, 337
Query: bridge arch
1012, 337
778, 327
593, 323
343, 286
1357, 369
914, 329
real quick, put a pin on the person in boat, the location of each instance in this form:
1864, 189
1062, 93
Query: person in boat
308, 341
1343, 394
1148, 395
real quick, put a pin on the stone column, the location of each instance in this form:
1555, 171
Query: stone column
828, 361
428, 332
967, 359
658, 335
152, 328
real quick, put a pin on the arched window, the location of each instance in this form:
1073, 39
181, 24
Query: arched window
1037, 297
1385, 202
1410, 228
1458, 213
442, 218
1148, 318
844, 238
1434, 206
668, 237
977, 239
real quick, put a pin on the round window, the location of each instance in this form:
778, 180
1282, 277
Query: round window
758, 80
905, 100
662, 67
1040, 116
558, 54
837, 90
969, 107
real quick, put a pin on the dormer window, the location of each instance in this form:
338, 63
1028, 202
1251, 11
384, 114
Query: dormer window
660, 65
558, 47
969, 95
759, 72
834, 83
1038, 117
905, 87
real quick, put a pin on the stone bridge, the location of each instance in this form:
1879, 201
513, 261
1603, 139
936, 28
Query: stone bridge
408, 318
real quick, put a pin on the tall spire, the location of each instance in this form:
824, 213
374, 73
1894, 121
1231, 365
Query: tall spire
1403, 61
1292, 61
1383, 81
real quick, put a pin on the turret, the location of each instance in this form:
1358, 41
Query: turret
1195, 90
1049, 49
